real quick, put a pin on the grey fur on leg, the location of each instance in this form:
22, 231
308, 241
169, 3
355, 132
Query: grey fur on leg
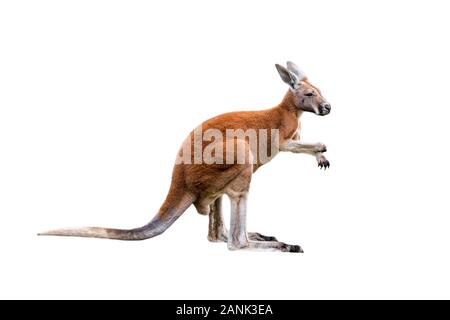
238, 237
274, 246
217, 232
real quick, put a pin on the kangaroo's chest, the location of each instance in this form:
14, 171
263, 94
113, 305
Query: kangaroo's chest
296, 134
268, 151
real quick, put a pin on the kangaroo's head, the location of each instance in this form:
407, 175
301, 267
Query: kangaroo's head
306, 96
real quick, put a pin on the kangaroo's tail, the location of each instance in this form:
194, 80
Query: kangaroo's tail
173, 207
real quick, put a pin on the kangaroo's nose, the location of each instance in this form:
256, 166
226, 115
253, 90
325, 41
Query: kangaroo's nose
326, 106
324, 109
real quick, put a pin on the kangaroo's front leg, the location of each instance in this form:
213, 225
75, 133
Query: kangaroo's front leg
316, 149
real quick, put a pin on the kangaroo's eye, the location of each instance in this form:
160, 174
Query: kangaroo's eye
309, 94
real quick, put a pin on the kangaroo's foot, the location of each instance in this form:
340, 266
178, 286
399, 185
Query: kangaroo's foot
223, 237
291, 248
255, 236
265, 246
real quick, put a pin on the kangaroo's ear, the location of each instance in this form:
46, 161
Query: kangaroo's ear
288, 77
292, 67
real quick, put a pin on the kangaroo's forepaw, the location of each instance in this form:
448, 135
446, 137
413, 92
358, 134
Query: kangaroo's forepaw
322, 162
291, 248
255, 236
320, 147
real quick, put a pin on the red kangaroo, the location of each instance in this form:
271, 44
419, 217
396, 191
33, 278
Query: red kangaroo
202, 182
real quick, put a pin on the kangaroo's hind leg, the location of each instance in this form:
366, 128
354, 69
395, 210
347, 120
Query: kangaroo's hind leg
238, 237
237, 190
217, 231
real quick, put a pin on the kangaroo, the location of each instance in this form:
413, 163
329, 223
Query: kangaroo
203, 183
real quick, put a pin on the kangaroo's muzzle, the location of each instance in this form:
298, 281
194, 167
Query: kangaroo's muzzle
324, 109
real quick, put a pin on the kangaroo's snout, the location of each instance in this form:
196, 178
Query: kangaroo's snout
324, 109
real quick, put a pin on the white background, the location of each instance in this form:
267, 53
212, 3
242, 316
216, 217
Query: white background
96, 97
